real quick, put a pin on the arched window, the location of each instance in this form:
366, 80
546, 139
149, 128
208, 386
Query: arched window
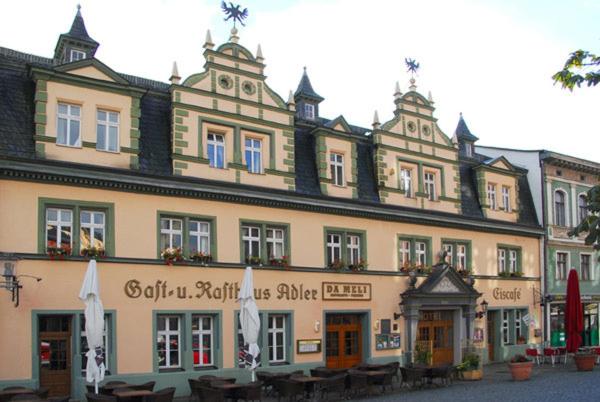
582, 204
559, 208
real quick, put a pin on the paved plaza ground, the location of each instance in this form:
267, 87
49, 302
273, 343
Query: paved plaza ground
547, 384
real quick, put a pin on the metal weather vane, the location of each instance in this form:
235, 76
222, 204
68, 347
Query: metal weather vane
234, 12
412, 65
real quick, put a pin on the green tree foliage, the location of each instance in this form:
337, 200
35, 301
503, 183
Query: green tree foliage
591, 224
581, 67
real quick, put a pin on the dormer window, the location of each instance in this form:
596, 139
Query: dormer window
309, 111
75, 55
468, 149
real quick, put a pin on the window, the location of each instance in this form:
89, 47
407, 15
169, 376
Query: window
512, 261
251, 239
168, 341
275, 243
468, 149
491, 196
59, 227
276, 335
421, 253
559, 208
584, 267
582, 204
75, 55
448, 248
68, 125
92, 230
202, 340
84, 345
107, 131
404, 253
337, 168
353, 248
406, 181
171, 233
253, 155
430, 185
334, 248
518, 324
456, 253
506, 199
461, 257
309, 111
501, 260
216, 150
199, 237
561, 266
505, 327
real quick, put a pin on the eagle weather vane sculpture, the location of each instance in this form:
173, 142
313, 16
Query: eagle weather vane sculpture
412, 65
235, 13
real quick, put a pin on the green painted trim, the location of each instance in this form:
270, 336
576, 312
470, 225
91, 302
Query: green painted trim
186, 231
193, 79
419, 154
76, 206
214, 66
251, 62
413, 256
509, 247
280, 173
493, 169
87, 62
469, 250
188, 158
263, 226
344, 232
327, 132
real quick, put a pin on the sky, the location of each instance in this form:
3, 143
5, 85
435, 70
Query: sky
490, 60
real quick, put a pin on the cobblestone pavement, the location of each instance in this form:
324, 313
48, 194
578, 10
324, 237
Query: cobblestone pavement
547, 384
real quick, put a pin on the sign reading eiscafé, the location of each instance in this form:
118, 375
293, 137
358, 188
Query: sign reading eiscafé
346, 291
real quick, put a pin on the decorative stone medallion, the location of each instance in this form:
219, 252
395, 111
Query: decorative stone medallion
225, 81
248, 87
426, 130
445, 286
411, 126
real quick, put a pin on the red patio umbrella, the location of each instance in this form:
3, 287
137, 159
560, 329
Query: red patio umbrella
573, 313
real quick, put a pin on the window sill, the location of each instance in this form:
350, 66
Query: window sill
108, 151
69, 146
278, 364
205, 368
339, 186
171, 370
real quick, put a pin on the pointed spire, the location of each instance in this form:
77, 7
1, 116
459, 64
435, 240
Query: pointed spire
291, 102
208, 42
305, 89
259, 54
76, 39
376, 124
78, 30
175, 77
430, 98
234, 38
462, 132
397, 91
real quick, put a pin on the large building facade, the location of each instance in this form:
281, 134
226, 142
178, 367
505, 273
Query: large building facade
179, 186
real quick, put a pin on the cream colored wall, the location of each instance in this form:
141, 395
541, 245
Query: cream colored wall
90, 101
335, 145
91, 72
502, 180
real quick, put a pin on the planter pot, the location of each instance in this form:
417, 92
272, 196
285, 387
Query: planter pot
585, 362
472, 375
520, 371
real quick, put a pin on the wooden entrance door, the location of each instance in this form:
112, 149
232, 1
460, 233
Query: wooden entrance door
343, 340
55, 354
491, 335
436, 329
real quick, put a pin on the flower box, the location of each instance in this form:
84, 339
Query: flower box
585, 361
201, 258
58, 252
520, 368
172, 255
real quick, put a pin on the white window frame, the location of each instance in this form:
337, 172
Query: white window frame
105, 342
76, 55
429, 181
171, 233
200, 234
333, 245
106, 125
251, 239
562, 275
565, 209
506, 199
420, 253
93, 226
491, 196
590, 275
212, 139
449, 249
406, 181
580, 210
59, 223
255, 153
513, 261
200, 332
502, 260
461, 256
275, 242
518, 324
336, 168
468, 149
404, 253
167, 332
505, 327
353, 248
309, 111
69, 117
272, 335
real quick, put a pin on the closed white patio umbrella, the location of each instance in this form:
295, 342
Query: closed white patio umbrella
250, 322
94, 325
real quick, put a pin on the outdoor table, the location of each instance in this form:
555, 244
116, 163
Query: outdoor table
114, 387
132, 394
228, 389
230, 380
309, 384
371, 367
6, 395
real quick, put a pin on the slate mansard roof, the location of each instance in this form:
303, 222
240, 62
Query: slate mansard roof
17, 141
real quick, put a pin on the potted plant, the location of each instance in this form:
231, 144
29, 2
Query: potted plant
336, 264
201, 257
61, 251
172, 255
360, 266
585, 361
470, 368
92, 252
464, 272
253, 260
520, 367
279, 262
517, 274
521, 340
422, 355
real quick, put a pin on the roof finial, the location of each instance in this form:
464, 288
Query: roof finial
208, 43
78, 6
259, 54
376, 124
460, 115
430, 98
291, 102
413, 85
175, 77
234, 38
397, 91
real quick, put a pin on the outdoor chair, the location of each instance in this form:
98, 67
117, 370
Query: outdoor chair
163, 395
59, 399
357, 383
91, 397
289, 389
250, 392
411, 376
534, 354
12, 388
549, 353
147, 386
195, 386
384, 381
211, 395
297, 373
266, 379
394, 367
205, 380
25, 397
42, 392
333, 385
